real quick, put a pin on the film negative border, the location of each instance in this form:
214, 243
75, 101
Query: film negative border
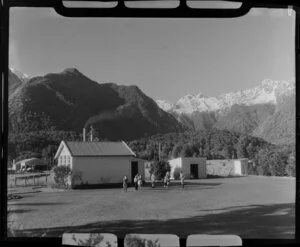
121, 11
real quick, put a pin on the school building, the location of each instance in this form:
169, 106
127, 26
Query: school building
94, 163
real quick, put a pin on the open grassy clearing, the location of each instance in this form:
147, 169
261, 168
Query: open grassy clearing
252, 207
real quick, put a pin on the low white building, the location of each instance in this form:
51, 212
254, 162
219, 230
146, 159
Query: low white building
192, 168
99, 162
224, 168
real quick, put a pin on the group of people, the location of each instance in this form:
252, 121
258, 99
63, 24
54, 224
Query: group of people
138, 181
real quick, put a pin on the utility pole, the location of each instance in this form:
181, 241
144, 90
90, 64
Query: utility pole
91, 133
158, 151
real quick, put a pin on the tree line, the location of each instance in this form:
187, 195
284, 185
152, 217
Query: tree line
268, 159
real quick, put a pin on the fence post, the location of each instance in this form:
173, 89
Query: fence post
25, 181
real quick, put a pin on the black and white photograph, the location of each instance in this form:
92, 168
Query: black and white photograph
151, 126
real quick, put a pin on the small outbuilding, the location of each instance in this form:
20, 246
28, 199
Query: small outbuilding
224, 168
99, 162
31, 163
192, 168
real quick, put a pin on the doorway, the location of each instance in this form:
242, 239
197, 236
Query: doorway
134, 169
194, 171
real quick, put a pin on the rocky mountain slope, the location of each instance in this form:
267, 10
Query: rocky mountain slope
69, 101
250, 111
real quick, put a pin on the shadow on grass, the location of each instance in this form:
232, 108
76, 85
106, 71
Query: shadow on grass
211, 176
158, 184
19, 211
177, 183
37, 204
176, 188
258, 221
27, 192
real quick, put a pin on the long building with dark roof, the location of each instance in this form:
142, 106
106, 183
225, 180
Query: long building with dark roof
94, 163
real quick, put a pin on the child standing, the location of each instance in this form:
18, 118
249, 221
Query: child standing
165, 181
125, 181
182, 179
152, 180
140, 182
135, 180
168, 179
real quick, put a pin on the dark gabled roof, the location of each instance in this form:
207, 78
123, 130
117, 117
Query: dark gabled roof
99, 149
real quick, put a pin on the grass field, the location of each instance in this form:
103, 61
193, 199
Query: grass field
251, 207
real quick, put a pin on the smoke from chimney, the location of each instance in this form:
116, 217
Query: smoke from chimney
84, 134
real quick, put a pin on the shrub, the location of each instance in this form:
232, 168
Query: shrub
76, 176
92, 240
291, 169
135, 241
176, 173
252, 169
159, 168
61, 174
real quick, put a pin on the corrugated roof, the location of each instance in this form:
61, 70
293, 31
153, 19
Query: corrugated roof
99, 149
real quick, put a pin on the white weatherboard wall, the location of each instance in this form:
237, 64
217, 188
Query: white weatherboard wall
241, 167
64, 156
184, 164
238, 167
101, 170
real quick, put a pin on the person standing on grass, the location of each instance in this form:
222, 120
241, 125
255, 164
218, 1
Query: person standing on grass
125, 180
165, 181
68, 182
140, 182
168, 179
135, 180
152, 180
182, 179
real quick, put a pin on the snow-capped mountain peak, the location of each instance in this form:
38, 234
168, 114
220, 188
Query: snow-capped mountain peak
165, 105
267, 92
22, 76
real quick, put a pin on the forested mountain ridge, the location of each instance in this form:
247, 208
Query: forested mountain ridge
70, 101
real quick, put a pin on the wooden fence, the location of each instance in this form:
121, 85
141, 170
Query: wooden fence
32, 179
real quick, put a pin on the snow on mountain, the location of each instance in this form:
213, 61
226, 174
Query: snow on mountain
165, 105
22, 76
267, 92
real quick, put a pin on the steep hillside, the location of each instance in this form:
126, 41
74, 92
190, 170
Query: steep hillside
245, 119
13, 82
280, 127
69, 101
